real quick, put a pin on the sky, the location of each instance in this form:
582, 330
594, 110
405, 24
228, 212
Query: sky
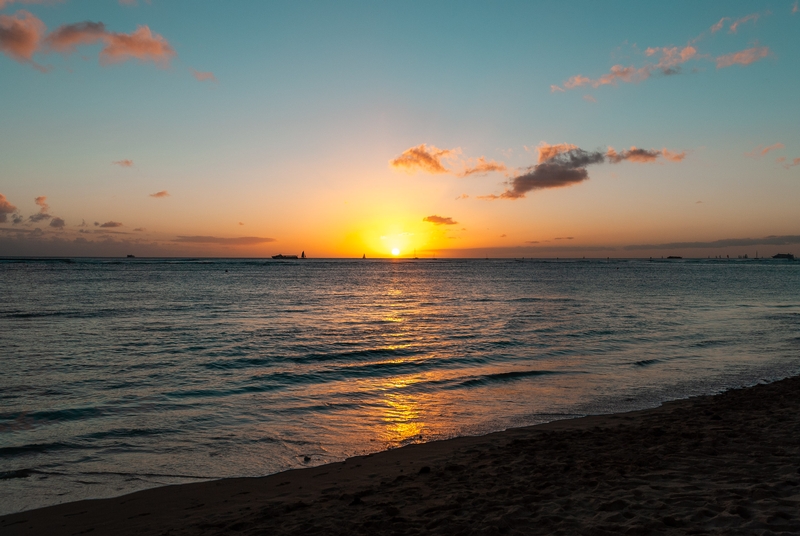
449, 129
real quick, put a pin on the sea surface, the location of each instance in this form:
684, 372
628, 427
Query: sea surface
119, 375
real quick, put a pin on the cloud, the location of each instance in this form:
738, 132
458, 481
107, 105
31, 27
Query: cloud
565, 169
728, 242
564, 238
634, 154
123, 163
617, 73
795, 162
6, 208
547, 151
439, 220
139, 230
44, 208
735, 24
795, 9
109, 224
422, 158
483, 166
589, 98
203, 76
57, 223
718, 26
239, 241
462, 196
141, 44
556, 89
20, 35
162, 193
760, 151
642, 156
743, 57
565, 164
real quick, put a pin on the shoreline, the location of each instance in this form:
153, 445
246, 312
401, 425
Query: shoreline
725, 463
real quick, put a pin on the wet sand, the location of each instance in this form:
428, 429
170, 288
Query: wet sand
725, 464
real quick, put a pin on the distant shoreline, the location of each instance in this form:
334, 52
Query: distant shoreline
717, 464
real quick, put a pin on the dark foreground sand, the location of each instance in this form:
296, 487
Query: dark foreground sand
727, 464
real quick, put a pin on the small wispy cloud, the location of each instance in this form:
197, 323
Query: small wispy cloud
440, 220
162, 193
109, 224
743, 57
760, 151
481, 166
202, 76
123, 163
734, 27
57, 223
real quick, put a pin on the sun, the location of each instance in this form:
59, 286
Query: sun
395, 251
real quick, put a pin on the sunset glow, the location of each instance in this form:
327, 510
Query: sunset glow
620, 136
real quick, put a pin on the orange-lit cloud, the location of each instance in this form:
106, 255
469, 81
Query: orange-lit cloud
760, 151
141, 44
439, 220
203, 76
123, 163
57, 223
483, 166
795, 8
735, 24
6, 208
547, 151
589, 98
671, 57
462, 196
20, 35
743, 57
162, 193
422, 158
238, 241
110, 224
617, 73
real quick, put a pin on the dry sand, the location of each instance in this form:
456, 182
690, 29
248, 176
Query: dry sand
725, 464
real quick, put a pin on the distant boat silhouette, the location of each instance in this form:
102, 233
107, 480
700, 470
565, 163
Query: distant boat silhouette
787, 256
279, 256
131, 256
303, 255
364, 256
674, 257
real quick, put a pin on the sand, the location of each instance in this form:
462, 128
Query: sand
725, 464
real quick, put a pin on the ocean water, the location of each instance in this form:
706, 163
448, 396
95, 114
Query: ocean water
119, 375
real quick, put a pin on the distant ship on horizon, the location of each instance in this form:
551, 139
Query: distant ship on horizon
279, 256
787, 256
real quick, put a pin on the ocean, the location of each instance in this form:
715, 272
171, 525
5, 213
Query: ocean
123, 374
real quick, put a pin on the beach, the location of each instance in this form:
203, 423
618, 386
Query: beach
722, 464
